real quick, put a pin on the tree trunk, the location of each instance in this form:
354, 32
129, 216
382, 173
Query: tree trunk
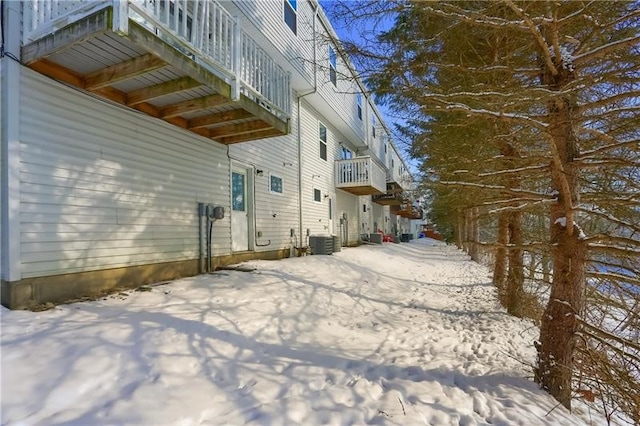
532, 266
559, 321
515, 276
460, 229
475, 255
473, 233
500, 264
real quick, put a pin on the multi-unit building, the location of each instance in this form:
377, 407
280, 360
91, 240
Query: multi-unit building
146, 140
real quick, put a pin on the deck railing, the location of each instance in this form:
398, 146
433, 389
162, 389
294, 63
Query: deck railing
201, 29
360, 171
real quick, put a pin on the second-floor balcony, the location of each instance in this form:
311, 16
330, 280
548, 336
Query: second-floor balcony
360, 176
186, 62
393, 197
408, 211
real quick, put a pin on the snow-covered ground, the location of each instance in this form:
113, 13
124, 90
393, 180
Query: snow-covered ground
398, 334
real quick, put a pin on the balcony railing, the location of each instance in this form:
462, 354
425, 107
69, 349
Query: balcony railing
360, 175
200, 29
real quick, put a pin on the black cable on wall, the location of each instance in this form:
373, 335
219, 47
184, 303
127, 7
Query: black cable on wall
3, 37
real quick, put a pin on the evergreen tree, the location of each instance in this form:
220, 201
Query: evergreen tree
518, 108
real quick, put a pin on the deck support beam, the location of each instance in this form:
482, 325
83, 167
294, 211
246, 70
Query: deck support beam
162, 89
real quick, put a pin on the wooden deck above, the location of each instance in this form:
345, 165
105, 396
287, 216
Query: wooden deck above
393, 196
148, 73
408, 211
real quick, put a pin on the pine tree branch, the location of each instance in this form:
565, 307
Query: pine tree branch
604, 337
538, 37
499, 188
602, 51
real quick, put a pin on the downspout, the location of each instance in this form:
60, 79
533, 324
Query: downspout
314, 90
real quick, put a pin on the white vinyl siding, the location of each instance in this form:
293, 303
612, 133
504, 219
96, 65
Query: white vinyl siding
377, 218
316, 172
103, 187
394, 165
366, 224
2, 196
2, 126
349, 204
275, 214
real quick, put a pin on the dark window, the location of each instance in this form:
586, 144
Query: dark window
275, 184
373, 126
317, 195
333, 66
330, 210
345, 153
291, 15
237, 191
364, 209
359, 98
323, 141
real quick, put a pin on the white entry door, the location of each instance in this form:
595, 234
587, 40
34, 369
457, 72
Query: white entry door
240, 209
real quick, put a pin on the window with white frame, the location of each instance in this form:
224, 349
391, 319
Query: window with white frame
317, 195
373, 126
291, 15
322, 136
345, 153
333, 66
359, 100
275, 184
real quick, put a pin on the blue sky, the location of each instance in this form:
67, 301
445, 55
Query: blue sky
351, 33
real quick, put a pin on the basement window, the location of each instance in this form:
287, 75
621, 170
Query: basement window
275, 184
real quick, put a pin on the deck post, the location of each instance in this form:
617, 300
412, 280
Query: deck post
121, 17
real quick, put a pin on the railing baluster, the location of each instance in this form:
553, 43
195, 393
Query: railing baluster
185, 14
194, 37
40, 13
175, 26
208, 13
54, 8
